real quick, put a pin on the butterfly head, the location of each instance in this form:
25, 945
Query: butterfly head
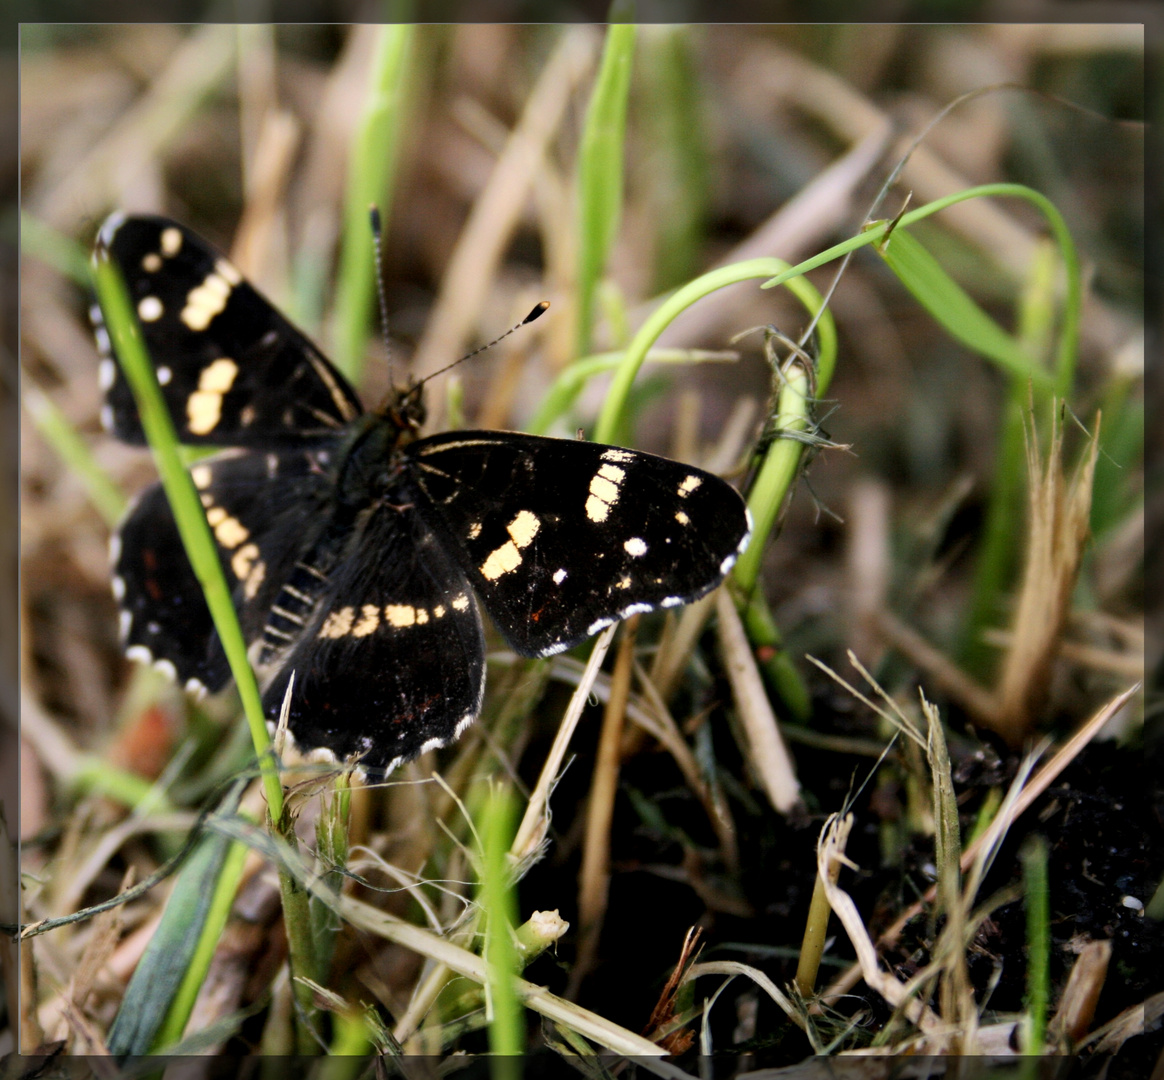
404, 409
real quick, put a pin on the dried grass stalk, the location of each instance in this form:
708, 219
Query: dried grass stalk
1056, 534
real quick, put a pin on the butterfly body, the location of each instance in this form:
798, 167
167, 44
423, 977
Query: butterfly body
357, 551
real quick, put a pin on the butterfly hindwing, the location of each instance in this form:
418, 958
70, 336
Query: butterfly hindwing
233, 371
263, 509
393, 662
561, 538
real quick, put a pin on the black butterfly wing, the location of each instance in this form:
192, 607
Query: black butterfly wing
560, 538
264, 511
233, 371
393, 662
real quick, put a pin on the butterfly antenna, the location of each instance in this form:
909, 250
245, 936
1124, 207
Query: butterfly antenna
378, 245
539, 310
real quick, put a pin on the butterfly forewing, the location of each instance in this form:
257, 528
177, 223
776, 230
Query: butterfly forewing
393, 662
561, 538
233, 371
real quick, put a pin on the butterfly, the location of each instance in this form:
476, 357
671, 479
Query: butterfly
357, 551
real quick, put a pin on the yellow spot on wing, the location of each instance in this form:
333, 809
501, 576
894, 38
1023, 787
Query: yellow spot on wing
230, 532
254, 578
501, 561
596, 509
524, 528
370, 619
204, 406
205, 301
338, 623
461, 603
400, 615
243, 562
218, 377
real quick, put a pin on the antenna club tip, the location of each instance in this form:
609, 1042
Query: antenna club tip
539, 310
374, 216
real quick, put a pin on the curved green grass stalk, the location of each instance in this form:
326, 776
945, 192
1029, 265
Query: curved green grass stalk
375, 150
125, 334
1068, 344
569, 384
600, 171
614, 407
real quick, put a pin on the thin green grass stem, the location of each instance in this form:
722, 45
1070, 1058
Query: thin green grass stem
1036, 898
103, 494
501, 960
375, 151
193, 528
600, 171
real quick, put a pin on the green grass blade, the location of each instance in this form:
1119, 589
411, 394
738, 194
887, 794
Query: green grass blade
600, 172
106, 497
375, 151
1036, 898
961, 317
61, 252
676, 142
125, 334
161, 993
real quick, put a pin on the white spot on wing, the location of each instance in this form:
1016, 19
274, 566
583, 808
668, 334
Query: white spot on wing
118, 589
635, 547
164, 375
672, 601
166, 667
598, 624
689, 484
106, 373
139, 652
559, 576
149, 309
171, 241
